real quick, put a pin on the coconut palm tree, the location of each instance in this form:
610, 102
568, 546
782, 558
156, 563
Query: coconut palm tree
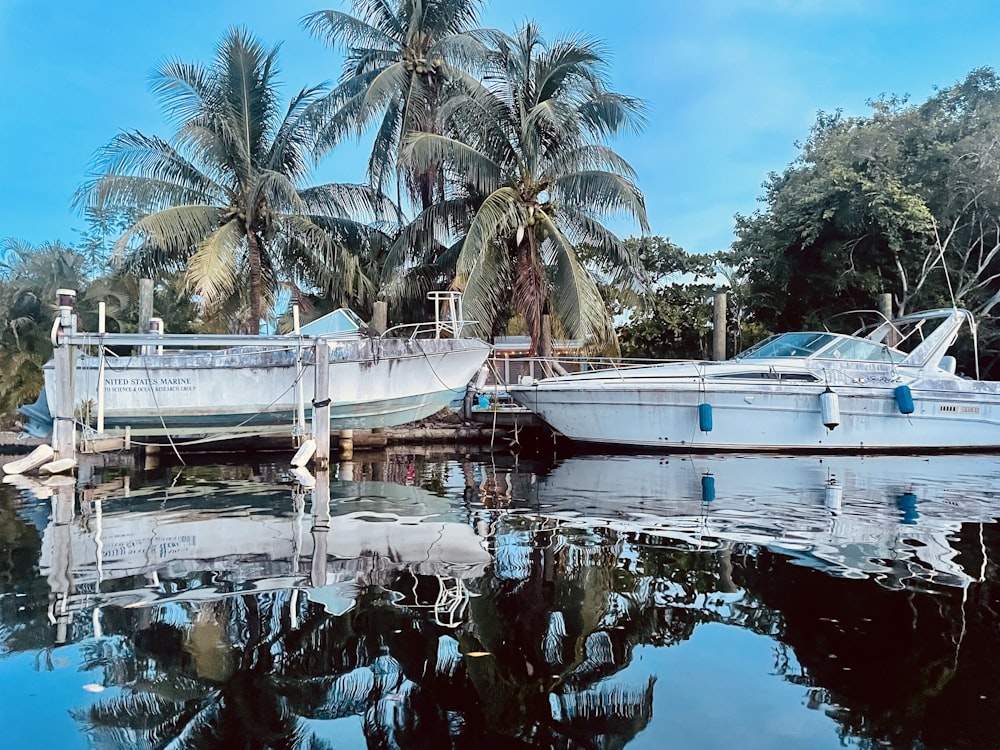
223, 200
526, 151
400, 58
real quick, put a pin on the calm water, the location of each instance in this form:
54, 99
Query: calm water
591, 602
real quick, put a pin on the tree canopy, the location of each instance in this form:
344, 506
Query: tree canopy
533, 180
224, 199
902, 201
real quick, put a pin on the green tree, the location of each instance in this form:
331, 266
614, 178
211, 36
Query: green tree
29, 278
904, 200
533, 179
223, 200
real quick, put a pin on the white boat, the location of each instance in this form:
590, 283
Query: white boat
375, 381
894, 389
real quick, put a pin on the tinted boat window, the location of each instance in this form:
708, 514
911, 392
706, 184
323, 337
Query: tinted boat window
859, 349
789, 345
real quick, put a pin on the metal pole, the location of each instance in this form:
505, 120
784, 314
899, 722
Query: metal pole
300, 403
321, 407
100, 370
64, 426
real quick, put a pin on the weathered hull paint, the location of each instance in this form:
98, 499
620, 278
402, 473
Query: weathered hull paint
373, 383
765, 419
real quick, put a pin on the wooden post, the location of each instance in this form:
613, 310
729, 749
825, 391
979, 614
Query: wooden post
380, 322
719, 327
63, 424
346, 445
380, 317
101, 312
885, 307
61, 566
545, 340
321, 407
300, 400
145, 304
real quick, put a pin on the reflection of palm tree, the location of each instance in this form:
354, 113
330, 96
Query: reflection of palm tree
181, 708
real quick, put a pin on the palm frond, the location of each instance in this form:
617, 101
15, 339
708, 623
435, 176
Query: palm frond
575, 299
497, 219
336, 28
486, 288
174, 230
140, 157
602, 192
211, 270
475, 168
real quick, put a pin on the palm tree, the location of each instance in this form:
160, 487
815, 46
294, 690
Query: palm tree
400, 57
526, 152
223, 199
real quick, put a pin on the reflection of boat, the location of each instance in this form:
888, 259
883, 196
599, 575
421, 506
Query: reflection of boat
796, 391
202, 547
891, 517
375, 381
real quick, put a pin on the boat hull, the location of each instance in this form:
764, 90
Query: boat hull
373, 383
670, 416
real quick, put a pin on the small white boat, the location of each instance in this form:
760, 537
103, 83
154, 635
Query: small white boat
894, 389
375, 381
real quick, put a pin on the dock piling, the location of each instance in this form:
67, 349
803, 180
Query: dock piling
321, 406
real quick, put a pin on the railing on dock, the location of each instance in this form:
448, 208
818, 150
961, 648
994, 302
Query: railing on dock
506, 370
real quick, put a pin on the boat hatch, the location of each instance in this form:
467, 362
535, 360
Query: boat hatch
340, 321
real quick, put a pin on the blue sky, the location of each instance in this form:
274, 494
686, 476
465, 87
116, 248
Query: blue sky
731, 85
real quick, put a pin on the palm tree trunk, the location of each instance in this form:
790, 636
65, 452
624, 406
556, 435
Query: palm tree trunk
253, 241
529, 293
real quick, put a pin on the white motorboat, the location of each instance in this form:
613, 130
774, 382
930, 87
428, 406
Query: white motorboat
894, 389
375, 381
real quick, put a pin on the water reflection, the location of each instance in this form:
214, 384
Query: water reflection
580, 604
887, 517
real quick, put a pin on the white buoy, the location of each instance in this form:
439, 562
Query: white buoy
302, 475
829, 404
41, 455
304, 453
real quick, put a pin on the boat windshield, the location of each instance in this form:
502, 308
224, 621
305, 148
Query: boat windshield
820, 345
788, 345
